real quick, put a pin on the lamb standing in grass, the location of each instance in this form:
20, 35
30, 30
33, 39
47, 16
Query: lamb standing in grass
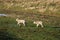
38, 23
20, 21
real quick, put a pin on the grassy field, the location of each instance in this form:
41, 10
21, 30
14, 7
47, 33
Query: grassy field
28, 32
46, 11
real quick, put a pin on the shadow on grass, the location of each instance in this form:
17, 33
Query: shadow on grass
4, 35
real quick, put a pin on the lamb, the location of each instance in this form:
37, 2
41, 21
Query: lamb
38, 23
20, 21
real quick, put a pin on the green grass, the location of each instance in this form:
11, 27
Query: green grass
30, 31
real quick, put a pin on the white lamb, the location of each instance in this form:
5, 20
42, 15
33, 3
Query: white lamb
38, 23
20, 21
